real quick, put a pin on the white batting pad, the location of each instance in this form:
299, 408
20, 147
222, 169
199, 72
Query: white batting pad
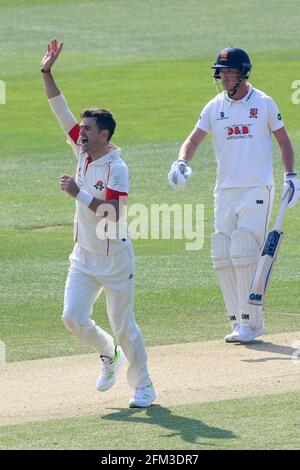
220, 250
244, 254
244, 249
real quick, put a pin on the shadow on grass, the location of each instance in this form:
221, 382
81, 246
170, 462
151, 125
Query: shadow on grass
189, 429
288, 351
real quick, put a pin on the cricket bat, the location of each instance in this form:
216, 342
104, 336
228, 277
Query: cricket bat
265, 265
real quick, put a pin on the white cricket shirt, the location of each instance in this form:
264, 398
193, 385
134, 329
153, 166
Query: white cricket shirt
105, 178
242, 138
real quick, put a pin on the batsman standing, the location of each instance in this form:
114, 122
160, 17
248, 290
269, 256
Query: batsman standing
241, 120
99, 262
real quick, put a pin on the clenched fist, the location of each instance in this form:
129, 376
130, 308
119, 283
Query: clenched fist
68, 184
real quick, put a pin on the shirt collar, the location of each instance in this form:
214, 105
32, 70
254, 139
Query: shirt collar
111, 155
243, 100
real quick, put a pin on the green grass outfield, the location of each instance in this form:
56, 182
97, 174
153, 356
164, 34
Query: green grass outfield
255, 423
149, 62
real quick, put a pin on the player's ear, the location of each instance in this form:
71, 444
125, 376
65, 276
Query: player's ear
105, 133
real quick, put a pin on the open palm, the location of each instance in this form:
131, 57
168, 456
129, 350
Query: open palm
54, 49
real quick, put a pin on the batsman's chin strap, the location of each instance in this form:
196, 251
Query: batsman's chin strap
232, 92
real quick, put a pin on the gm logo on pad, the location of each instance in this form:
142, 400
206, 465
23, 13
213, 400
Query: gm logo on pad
255, 297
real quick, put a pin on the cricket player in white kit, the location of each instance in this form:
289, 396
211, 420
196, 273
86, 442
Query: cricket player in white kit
242, 120
99, 260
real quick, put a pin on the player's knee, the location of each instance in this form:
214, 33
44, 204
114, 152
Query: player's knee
122, 334
70, 321
220, 251
128, 333
244, 248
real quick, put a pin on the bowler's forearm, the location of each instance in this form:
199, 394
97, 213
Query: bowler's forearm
50, 86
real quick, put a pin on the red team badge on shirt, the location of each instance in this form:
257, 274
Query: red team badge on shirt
253, 113
99, 185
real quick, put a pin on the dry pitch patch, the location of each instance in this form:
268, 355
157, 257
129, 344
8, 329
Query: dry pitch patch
183, 373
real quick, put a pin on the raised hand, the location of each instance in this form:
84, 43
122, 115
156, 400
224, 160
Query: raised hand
53, 51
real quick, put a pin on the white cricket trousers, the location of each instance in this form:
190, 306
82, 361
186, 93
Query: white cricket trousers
241, 222
244, 209
89, 274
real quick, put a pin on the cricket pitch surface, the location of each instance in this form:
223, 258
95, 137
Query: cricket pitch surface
61, 387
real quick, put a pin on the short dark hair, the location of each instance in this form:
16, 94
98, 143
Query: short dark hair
104, 119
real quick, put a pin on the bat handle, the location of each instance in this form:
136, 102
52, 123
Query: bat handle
281, 212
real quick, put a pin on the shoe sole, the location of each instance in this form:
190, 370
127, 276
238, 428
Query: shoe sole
121, 362
135, 405
230, 340
252, 339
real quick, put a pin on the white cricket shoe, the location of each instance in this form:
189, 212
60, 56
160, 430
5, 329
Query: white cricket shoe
246, 333
231, 338
143, 397
111, 368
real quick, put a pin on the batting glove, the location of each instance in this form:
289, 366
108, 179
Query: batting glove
179, 174
292, 184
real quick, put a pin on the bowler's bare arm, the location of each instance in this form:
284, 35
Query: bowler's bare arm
52, 54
